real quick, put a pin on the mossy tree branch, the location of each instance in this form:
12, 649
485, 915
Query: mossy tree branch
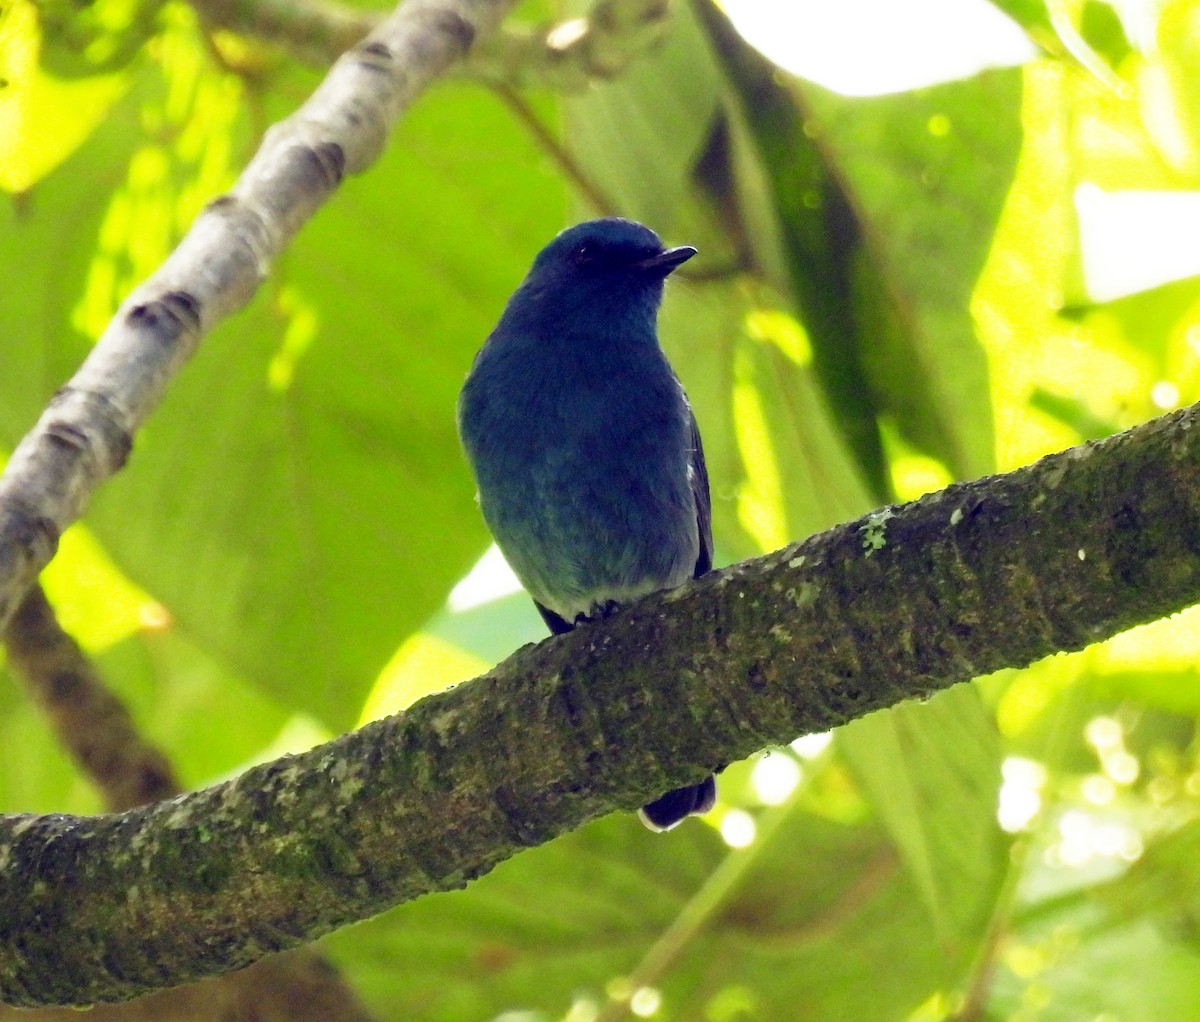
85, 434
99, 733
901, 603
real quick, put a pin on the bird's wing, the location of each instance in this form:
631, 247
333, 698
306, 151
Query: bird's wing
698, 475
699, 478
555, 622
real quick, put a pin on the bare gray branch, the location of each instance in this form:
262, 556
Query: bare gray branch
87, 431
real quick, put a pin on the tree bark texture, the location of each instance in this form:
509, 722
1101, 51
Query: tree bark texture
99, 733
903, 602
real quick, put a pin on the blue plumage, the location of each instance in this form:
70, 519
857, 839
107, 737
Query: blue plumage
590, 471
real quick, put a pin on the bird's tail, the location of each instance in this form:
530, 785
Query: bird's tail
675, 806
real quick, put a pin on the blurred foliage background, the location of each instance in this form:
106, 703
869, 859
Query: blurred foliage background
936, 241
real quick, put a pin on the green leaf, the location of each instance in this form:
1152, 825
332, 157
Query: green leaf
779, 467
207, 721
800, 230
1162, 885
1031, 15
1101, 28
42, 779
100, 37
47, 240
1174, 692
1154, 322
879, 216
1077, 959
43, 119
804, 924
300, 501
1073, 412
928, 174
701, 326
932, 774
1177, 45
1099, 33
639, 136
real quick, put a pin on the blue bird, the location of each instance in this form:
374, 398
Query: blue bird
584, 447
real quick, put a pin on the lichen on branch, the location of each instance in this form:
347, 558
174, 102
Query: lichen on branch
993, 573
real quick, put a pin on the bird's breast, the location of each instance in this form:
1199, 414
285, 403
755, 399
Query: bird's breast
583, 476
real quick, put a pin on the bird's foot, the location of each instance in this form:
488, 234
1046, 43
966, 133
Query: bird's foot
601, 612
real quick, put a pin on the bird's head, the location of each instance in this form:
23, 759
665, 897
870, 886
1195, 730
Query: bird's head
612, 267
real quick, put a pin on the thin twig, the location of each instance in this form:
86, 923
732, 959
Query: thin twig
570, 167
91, 723
568, 56
562, 56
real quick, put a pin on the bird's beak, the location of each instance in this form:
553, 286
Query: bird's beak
666, 260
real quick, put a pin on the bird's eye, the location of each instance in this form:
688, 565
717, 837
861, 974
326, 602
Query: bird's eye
584, 255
